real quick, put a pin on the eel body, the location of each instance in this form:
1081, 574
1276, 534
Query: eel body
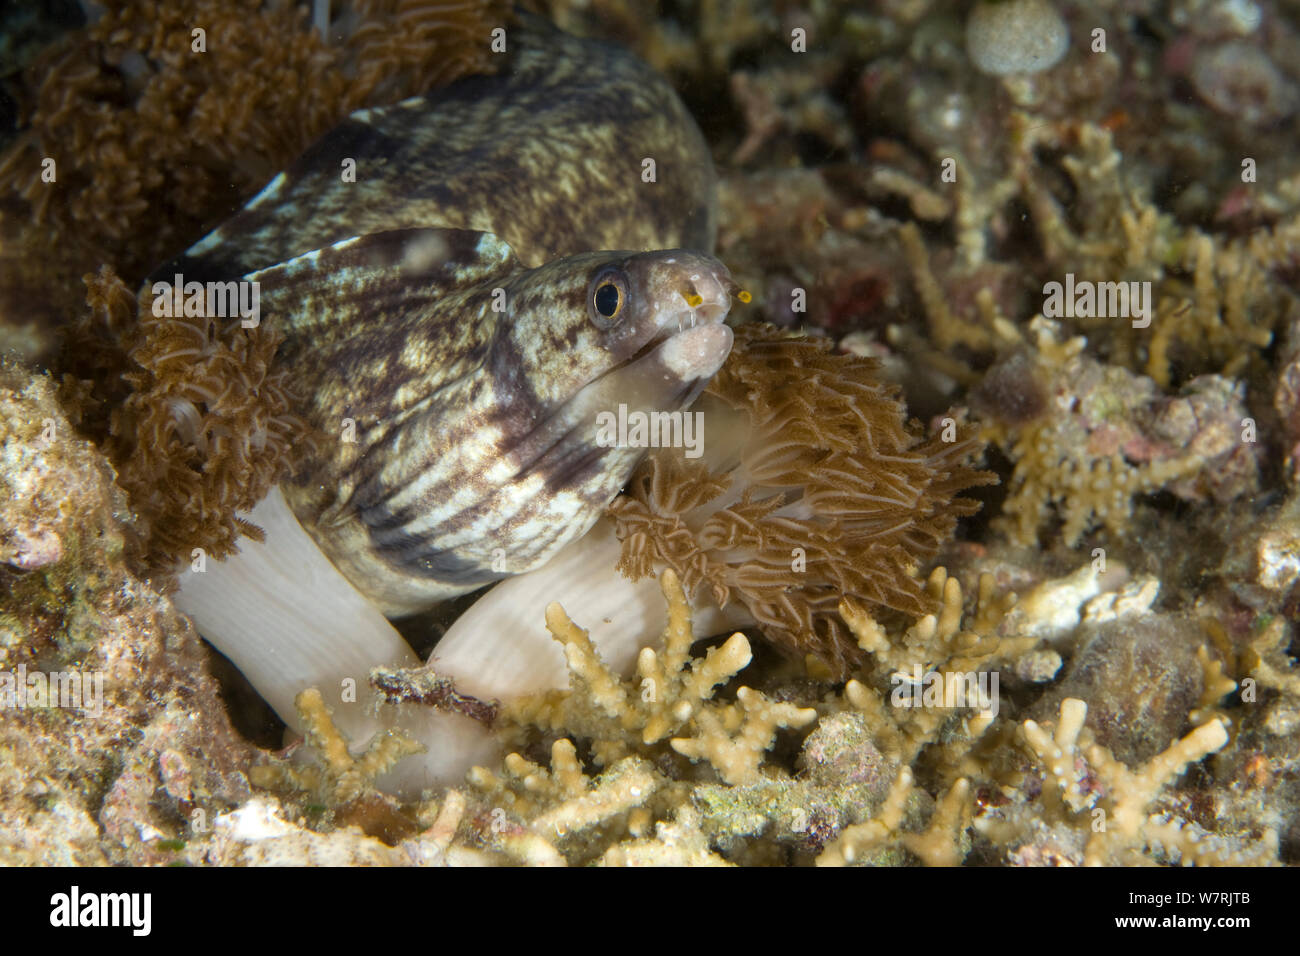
457, 318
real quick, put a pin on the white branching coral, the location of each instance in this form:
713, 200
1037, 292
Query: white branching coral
669, 696
1082, 779
940, 844
944, 647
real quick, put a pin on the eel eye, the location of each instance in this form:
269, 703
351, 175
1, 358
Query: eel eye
607, 297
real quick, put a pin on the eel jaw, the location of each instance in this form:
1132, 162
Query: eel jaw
696, 354
701, 343
690, 341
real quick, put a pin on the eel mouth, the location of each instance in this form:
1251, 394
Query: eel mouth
695, 353
690, 341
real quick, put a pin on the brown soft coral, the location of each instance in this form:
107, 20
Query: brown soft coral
201, 424
822, 491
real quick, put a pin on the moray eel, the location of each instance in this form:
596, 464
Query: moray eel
456, 318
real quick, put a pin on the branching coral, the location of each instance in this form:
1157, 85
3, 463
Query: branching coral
579, 804
1216, 300
563, 804
338, 784
1083, 779
945, 645
1088, 795
613, 793
959, 733
670, 694
1086, 438
732, 740
940, 844
676, 843
339, 777
1230, 301
625, 724
812, 488
673, 764
946, 328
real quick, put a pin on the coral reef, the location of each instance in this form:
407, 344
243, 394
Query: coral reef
664, 701
1025, 822
853, 796
1081, 777
677, 764
1086, 437
905, 194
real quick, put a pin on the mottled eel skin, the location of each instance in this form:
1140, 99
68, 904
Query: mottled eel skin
454, 305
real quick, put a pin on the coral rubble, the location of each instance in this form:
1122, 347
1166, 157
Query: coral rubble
132, 758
